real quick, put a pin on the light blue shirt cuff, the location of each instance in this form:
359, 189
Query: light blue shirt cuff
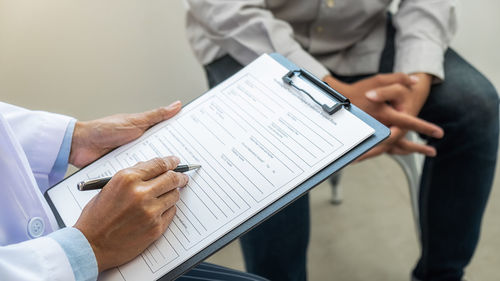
79, 253
61, 165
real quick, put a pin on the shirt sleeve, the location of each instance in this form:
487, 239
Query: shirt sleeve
424, 31
79, 253
246, 29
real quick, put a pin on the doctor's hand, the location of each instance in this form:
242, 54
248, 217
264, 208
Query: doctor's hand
399, 98
132, 211
92, 139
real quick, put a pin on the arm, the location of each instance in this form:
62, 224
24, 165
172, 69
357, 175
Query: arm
246, 29
424, 30
132, 211
40, 135
37, 259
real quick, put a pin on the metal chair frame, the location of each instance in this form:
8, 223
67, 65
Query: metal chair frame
412, 165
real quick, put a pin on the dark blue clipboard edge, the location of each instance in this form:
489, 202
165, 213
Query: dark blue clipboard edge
381, 133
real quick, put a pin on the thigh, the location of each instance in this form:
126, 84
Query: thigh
276, 249
221, 69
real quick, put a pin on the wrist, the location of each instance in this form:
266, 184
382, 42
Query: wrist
336, 84
424, 79
78, 143
421, 91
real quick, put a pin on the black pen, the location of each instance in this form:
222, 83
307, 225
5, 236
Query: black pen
100, 183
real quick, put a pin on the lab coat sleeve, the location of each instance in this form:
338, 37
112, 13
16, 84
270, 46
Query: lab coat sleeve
41, 135
38, 259
61, 164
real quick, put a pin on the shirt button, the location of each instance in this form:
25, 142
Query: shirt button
330, 3
319, 29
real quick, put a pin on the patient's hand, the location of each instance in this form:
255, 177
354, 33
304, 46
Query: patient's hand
395, 100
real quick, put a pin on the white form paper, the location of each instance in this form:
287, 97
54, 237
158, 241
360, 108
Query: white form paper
256, 139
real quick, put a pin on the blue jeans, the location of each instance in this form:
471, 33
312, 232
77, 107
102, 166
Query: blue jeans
455, 185
211, 272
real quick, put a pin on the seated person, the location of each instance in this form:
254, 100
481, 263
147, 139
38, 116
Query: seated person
397, 68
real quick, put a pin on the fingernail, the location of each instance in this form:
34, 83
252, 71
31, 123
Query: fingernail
414, 78
371, 94
174, 105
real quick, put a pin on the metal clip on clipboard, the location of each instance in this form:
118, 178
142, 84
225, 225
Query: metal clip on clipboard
341, 100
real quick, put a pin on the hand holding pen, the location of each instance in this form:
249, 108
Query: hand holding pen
101, 182
132, 211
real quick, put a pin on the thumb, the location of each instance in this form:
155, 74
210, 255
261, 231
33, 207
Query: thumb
152, 117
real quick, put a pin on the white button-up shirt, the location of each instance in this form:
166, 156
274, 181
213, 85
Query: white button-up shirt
344, 36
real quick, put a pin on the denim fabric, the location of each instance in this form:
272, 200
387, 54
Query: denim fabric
455, 185
212, 272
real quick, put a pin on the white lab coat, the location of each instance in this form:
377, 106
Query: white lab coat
29, 145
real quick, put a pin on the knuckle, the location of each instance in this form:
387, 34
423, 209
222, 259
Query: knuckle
159, 229
379, 78
399, 88
401, 75
170, 162
172, 178
136, 200
138, 165
160, 163
176, 194
170, 214
127, 175
149, 214
173, 210
184, 180
139, 194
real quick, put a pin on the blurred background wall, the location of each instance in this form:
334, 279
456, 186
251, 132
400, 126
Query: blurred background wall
92, 58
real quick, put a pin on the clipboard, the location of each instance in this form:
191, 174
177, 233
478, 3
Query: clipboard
381, 132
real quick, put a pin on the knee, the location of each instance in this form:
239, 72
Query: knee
471, 94
483, 103
472, 101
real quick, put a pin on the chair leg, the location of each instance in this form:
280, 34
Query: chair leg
337, 196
